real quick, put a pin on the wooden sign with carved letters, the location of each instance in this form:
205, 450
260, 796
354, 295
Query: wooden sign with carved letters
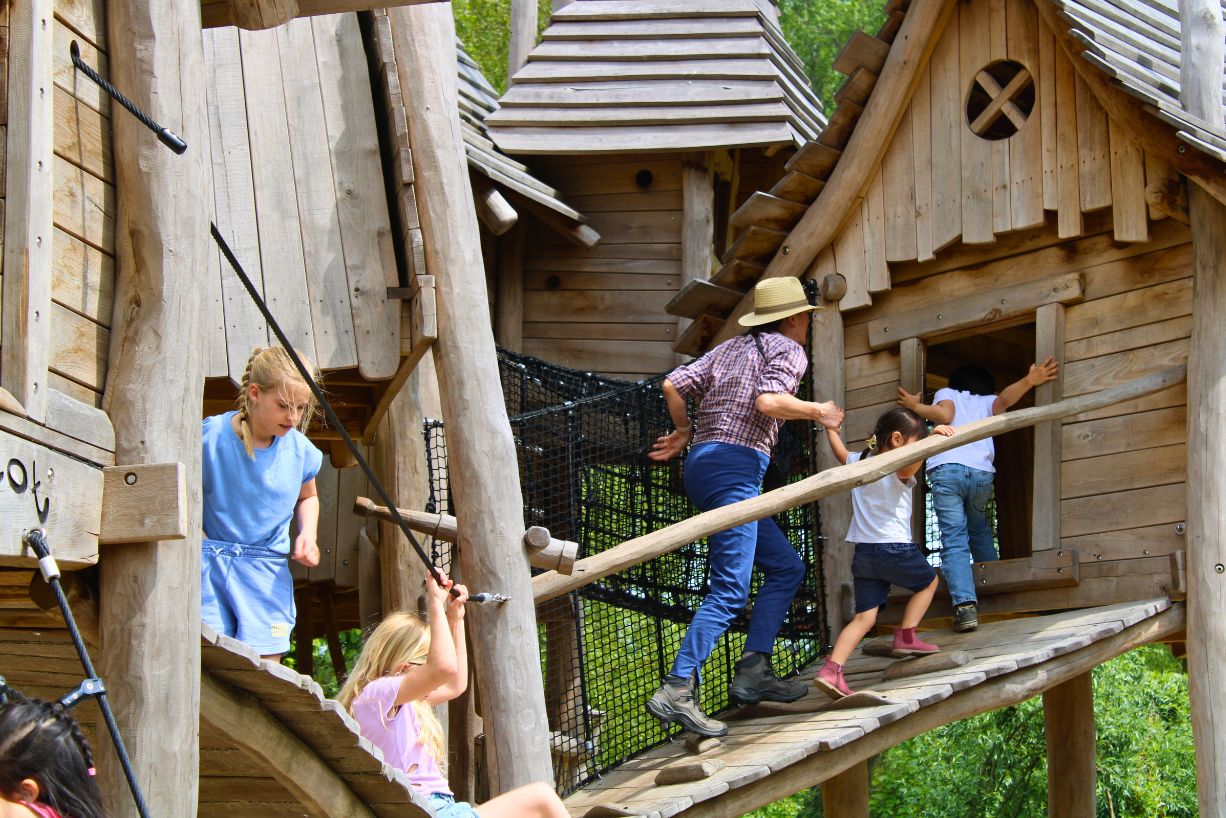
41, 487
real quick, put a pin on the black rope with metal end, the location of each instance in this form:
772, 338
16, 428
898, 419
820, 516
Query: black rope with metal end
176, 144
92, 687
166, 136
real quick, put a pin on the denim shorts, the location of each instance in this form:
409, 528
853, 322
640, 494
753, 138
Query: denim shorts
445, 806
246, 592
877, 566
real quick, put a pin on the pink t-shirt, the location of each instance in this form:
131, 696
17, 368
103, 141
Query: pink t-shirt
395, 731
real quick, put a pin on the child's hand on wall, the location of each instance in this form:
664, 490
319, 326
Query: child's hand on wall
1044, 372
909, 401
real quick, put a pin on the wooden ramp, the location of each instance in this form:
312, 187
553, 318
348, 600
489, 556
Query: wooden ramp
773, 751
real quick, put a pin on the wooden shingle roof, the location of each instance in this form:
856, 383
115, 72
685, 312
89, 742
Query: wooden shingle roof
625, 75
1138, 44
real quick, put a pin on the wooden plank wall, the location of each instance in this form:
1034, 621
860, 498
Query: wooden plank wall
1122, 468
83, 236
939, 183
300, 197
338, 527
603, 309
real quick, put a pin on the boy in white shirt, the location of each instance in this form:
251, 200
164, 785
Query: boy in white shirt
961, 480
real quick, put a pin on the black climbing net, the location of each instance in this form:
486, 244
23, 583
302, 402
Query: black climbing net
582, 442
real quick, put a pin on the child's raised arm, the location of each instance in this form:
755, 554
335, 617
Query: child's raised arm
1038, 374
419, 681
455, 621
836, 445
941, 412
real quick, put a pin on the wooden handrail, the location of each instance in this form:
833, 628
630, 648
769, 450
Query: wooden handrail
832, 481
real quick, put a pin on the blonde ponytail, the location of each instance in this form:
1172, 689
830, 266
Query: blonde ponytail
272, 368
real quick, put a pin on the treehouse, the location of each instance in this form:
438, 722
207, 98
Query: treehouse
996, 181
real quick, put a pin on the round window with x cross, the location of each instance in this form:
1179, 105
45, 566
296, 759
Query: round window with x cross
1000, 100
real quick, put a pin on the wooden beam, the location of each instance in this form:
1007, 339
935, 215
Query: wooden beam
846, 795
26, 293
912, 365
975, 310
998, 692
1203, 33
523, 36
1068, 722
481, 457
833, 481
494, 211
509, 308
1045, 491
851, 176
697, 225
422, 332
150, 611
145, 503
245, 723
577, 233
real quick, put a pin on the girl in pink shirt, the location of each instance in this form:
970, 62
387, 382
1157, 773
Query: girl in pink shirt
46, 768
407, 666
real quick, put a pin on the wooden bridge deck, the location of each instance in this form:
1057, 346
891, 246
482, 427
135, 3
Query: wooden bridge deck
774, 750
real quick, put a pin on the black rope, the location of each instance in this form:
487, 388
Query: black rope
166, 136
36, 540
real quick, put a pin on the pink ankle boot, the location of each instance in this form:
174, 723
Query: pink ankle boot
830, 680
906, 643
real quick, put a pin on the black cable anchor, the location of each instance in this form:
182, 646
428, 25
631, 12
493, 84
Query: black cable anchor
166, 136
92, 687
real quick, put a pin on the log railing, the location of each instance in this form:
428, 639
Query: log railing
832, 481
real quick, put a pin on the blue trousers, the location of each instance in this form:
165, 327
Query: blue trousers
960, 498
719, 474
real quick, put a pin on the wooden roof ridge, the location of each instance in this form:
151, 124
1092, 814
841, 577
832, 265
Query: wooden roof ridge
622, 75
772, 751
1138, 45
863, 60
275, 712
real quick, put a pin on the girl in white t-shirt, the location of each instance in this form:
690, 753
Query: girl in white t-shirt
886, 553
960, 480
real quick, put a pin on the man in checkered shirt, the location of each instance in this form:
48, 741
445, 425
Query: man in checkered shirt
745, 391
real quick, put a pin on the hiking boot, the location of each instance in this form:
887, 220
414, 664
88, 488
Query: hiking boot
966, 618
676, 704
907, 643
755, 681
830, 681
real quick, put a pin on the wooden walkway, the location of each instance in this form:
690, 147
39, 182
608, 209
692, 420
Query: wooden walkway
773, 751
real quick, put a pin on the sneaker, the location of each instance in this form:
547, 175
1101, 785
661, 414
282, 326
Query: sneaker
755, 681
676, 704
966, 617
907, 643
830, 681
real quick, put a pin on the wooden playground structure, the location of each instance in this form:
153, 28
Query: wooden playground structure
995, 181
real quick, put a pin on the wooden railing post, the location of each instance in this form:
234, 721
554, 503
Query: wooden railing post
1068, 721
481, 456
150, 592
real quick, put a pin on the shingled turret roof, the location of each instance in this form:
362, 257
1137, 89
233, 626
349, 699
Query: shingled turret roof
624, 75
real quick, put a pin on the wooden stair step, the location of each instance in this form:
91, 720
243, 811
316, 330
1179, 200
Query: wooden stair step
856, 88
739, 274
814, 159
698, 297
697, 335
862, 51
798, 187
893, 22
842, 123
755, 244
765, 210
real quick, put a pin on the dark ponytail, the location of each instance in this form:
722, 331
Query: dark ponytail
899, 420
42, 741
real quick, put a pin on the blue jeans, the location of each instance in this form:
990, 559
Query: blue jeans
960, 497
719, 474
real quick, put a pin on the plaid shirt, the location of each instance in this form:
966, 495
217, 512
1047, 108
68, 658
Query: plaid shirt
728, 379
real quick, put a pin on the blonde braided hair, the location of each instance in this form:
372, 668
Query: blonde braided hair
272, 368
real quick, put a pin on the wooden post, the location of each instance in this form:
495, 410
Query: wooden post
846, 794
1045, 494
400, 451
912, 365
510, 306
523, 35
826, 334
1203, 35
480, 449
150, 592
28, 208
1068, 721
697, 226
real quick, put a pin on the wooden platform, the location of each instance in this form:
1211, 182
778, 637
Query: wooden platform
773, 751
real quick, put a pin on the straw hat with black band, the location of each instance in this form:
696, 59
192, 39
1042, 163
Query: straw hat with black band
776, 298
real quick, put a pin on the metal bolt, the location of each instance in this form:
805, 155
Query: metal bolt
786, 249
130, 478
1219, 568
1181, 529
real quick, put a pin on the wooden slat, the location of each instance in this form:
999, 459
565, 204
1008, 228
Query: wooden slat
856, 88
1097, 373
898, 180
323, 253
642, 92
370, 265
83, 136
1049, 336
1129, 212
606, 116
697, 335
598, 355
877, 272
1124, 471
643, 138
608, 331
83, 277
654, 49
1093, 150
921, 139
814, 159
755, 244
732, 69
849, 261
653, 9
738, 274
651, 29
946, 138
595, 307
272, 174
1026, 146
766, 210
797, 187
84, 205
1125, 509
700, 296
79, 348
862, 51
1045, 103
976, 153
1068, 178
1130, 308
1095, 438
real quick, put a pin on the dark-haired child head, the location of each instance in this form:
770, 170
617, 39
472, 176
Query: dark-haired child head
45, 760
